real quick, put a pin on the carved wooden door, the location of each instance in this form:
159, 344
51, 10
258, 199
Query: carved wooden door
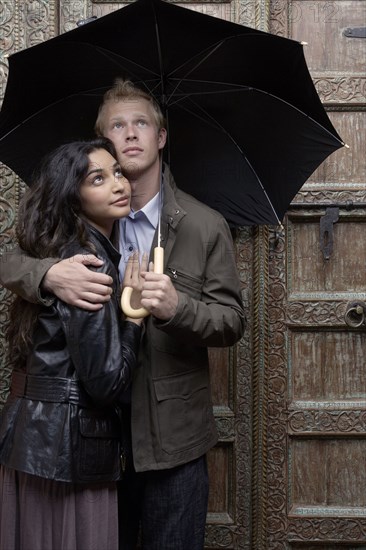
312, 489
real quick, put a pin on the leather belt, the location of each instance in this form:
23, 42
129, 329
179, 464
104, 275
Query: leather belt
47, 388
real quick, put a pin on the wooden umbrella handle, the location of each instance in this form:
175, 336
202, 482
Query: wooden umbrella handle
141, 312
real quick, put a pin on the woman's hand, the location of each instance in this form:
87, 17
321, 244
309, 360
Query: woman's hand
132, 278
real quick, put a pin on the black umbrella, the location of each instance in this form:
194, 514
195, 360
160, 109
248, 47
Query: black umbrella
245, 124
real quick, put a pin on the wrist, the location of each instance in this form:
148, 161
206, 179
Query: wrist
47, 283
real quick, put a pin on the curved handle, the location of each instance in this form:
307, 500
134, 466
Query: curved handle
141, 312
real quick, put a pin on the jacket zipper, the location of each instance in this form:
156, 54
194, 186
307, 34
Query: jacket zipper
176, 274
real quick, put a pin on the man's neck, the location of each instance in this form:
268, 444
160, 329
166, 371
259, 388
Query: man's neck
143, 189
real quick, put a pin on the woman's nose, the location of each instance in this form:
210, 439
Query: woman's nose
120, 184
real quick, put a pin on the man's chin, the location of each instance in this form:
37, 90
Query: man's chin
131, 169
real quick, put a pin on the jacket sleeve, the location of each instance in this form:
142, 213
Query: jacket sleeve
23, 274
103, 349
216, 318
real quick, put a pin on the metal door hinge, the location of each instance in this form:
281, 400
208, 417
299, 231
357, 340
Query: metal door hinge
327, 221
357, 32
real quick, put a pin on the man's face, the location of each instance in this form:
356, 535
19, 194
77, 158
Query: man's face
131, 125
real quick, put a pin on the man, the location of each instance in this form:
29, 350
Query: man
194, 305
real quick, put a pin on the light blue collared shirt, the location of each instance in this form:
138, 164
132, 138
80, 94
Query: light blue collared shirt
137, 231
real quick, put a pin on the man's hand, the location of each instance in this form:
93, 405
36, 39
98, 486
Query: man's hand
159, 295
72, 282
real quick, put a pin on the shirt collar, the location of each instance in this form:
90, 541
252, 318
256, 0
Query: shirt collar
151, 211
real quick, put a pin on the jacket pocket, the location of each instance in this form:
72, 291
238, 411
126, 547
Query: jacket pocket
97, 446
183, 409
190, 284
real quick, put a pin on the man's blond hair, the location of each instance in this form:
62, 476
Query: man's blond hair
123, 90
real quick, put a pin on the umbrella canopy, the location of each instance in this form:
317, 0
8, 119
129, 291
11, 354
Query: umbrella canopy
246, 127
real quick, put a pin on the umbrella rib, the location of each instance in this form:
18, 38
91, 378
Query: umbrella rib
210, 50
85, 92
243, 88
220, 127
184, 95
213, 49
105, 52
157, 33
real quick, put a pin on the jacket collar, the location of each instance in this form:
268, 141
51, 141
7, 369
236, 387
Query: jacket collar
172, 211
112, 252
172, 214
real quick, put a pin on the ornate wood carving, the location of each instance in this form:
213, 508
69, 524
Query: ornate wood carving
269, 391
341, 422
278, 23
341, 88
327, 530
243, 399
276, 489
11, 189
332, 194
23, 24
71, 12
318, 313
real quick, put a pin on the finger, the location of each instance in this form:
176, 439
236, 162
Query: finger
88, 306
87, 259
144, 262
151, 267
135, 277
100, 281
157, 277
130, 268
96, 293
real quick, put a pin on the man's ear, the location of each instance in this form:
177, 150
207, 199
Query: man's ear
162, 138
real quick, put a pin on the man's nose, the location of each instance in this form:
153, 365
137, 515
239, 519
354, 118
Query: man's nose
131, 132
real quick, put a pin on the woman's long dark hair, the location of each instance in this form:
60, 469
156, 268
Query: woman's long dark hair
49, 221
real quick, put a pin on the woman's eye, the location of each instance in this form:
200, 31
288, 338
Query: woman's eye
97, 180
118, 173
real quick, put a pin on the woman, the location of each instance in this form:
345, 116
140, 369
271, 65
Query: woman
60, 431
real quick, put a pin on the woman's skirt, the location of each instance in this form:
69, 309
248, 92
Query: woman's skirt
42, 514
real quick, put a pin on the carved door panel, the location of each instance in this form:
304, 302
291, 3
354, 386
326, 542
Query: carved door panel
314, 488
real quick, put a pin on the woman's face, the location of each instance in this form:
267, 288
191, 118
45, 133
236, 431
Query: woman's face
105, 193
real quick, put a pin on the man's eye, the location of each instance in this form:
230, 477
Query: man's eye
117, 125
141, 123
